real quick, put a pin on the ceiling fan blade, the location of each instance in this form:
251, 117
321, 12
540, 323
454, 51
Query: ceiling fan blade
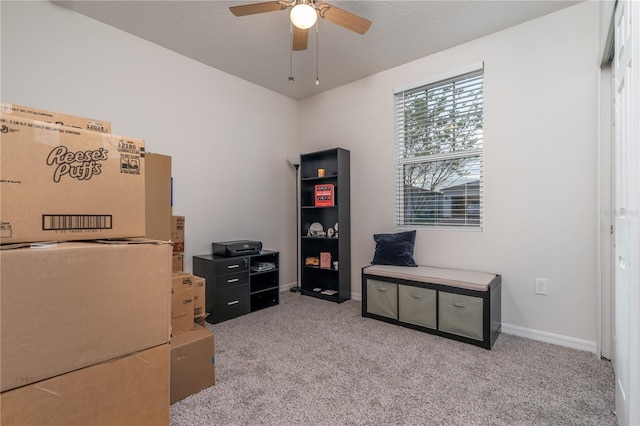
252, 9
343, 18
300, 38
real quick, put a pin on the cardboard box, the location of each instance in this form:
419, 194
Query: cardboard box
192, 363
181, 313
181, 303
180, 281
177, 233
60, 183
178, 262
132, 390
157, 196
77, 304
56, 117
199, 308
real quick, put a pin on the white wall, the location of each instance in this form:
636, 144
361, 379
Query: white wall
540, 168
540, 147
226, 136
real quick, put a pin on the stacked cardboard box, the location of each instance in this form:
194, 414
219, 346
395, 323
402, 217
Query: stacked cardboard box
177, 237
55, 117
199, 306
124, 391
66, 322
192, 363
187, 302
178, 262
192, 349
85, 325
62, 183
181, 303
158, 196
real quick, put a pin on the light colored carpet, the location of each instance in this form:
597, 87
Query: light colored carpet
313, 362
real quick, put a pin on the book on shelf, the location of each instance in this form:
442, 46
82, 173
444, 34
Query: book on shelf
329, 292
325, 260
323, 195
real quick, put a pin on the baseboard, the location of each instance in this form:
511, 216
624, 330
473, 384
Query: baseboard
286, 287
556, 339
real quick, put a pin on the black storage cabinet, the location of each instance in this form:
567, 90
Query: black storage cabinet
233, 288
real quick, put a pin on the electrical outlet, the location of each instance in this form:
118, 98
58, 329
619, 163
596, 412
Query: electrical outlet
542, 286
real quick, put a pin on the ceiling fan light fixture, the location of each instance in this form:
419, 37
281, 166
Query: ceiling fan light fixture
303, 16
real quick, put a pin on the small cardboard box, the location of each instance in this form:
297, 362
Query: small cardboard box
56, 117
61, 183
178, 262
77, 304
132, 390
177, 233
199, 309
181, 302
192, 363
158, 196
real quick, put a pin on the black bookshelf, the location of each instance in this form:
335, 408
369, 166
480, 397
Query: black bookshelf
329, 172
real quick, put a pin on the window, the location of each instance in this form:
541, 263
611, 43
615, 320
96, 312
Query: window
439, 147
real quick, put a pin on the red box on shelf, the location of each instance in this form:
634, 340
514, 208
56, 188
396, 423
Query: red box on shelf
323, 195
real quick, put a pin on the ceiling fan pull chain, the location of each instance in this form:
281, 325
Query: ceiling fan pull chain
291, 77
317, 54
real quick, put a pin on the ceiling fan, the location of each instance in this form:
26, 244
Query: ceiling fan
304, 14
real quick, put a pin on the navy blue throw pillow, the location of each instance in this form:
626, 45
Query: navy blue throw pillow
394, 249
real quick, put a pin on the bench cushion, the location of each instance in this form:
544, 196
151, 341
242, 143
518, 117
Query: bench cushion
470, 280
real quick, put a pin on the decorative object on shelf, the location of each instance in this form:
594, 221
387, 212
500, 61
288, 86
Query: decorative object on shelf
335, 265
294, 160
320, 172
323, 195
336, 228
312, 261
262, 266
330, 233
316, 230
325, 260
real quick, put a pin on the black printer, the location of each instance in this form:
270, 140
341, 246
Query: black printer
236, 248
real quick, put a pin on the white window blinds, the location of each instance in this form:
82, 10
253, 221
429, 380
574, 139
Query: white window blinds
439, 146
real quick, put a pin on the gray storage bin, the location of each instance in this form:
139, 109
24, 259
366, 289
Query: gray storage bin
382, 298
461, 315
417, 305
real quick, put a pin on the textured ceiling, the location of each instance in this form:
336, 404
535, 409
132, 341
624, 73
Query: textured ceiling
256, 47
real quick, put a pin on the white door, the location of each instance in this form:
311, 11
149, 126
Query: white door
627, 211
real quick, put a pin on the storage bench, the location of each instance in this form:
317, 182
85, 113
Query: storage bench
460, 305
